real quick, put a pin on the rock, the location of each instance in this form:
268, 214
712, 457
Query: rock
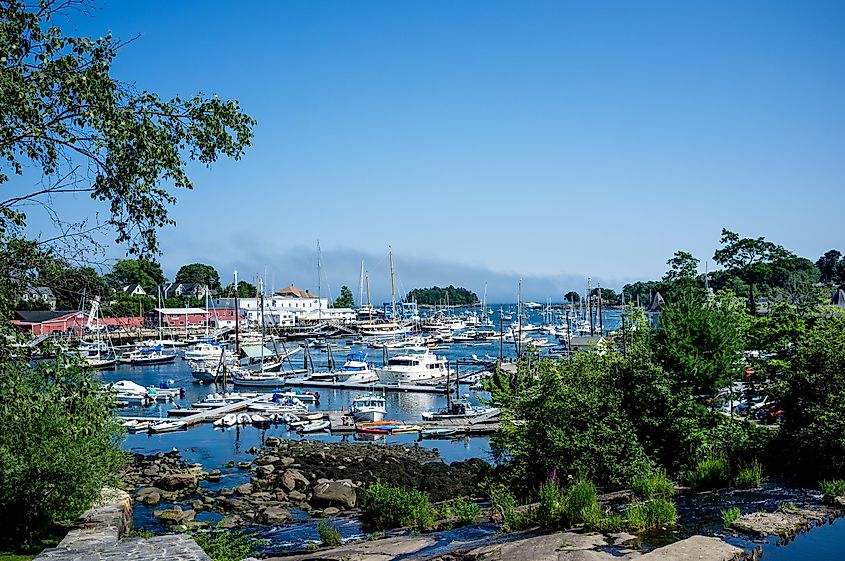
230, 505
334, 493
177, 482
297, 496
286, 462
150, 496
696, 547
300, 480
330, 511
264, 460
197, 505
244, 489
273, 516
225, 491
288, 481
265, 470
281, 495
175, 515
213, 475
244, 465
272, 441
230, 522
784, 523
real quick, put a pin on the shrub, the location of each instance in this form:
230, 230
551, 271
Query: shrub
386, 507
831, 489
465, 510
651, 514
730, 516
653, 484
329, 534
505, 503
710, 473
59, 445
579, 499
228, 545
750, 477
552, 500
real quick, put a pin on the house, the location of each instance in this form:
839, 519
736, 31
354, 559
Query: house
49, 322
174, 289
584, 343
221, 319
40, 295
133, 290
175, 317
287, 307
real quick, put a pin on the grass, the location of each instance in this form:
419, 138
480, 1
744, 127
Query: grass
505, 503
385, 507
580, 502
711, 473
228, 545
654, 484
329, 534
552, 501
831, 489
750, 476
651, 514
731, 515
17, 556
466, 511
139, 533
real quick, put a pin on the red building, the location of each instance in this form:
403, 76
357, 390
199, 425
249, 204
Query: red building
175, 317
68, 321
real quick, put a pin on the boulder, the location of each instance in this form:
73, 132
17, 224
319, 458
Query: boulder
286, 462
244, 489
213, 475
299, 480
150, 496
273, 515
177, 482
331, 511
264, 460
244, 465
272, 441
265, 470
230, 522
334, 493
297, 496
175, 515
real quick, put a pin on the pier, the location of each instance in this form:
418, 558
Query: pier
201, 416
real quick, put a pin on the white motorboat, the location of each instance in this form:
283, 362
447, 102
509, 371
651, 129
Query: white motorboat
356, 370
314, 426
131, 393
369, 407
462, 411
250, 378
167, 426
208, 351
422, 368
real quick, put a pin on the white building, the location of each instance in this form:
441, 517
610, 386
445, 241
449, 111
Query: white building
288, 307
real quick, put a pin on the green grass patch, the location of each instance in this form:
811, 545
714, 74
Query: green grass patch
711, 473
730, 515
17, 556
750, 476
228, 545
466, 511
651, 514
832, 488
505, 504
329, 534
385, 507
653, 484
580, 502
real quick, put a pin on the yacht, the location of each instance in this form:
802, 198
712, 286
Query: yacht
208, 351
369, 407
461, 411
422, 368
356, 370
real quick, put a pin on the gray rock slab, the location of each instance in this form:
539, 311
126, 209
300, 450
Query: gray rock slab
379, 550
698, 548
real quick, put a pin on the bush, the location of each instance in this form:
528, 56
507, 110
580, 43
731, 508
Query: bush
329, 534
59, 445
552, 502
711, 473
831, 489
730, 516
750, 477
386, 507
653, 484
228, 545
580, 498
465, 510
505, 504
651, 514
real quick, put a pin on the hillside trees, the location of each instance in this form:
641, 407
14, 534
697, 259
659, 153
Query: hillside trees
199, 273
449, 295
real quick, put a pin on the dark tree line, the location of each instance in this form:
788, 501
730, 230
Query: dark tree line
449, 295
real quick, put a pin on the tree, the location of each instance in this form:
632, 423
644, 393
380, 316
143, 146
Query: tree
58, 447
66, 119
608, 295
683, 266
199, 273
136, 271
443, 296
752, 259
345, 300
245, 290
572, 297
830, 267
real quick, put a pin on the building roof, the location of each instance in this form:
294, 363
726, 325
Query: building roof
293, 292
38, 316
41, 291
180, 311
656, 303
130, 288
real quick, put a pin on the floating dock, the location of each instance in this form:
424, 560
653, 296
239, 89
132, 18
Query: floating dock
194, 416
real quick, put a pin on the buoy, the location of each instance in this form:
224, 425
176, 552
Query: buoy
341, 408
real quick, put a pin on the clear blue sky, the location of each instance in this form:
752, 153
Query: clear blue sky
490, 140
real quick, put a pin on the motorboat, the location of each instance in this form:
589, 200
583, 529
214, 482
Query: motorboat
208, 351
369, 407
250, 378
314, 426
411, 369
167, 426
461, 411
131, 393
147, 356
356, 370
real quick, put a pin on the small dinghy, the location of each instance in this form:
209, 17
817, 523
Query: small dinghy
314, 426
437, 433
167, 426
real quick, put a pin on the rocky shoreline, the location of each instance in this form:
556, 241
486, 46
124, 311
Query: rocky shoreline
319, 478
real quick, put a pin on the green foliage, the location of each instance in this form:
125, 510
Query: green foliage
245, 290
505, 504
552, 502
652, 484
608, 295
60, 444
832, 488
831, 268
710, 473
730, 515
649, 515
345, 300
466, 511
229, 545
580, 502
750, 476
386, 507
437, 296
813, 397
145, 272
139, 533
71, 123
329, 534
199, 273
572, 297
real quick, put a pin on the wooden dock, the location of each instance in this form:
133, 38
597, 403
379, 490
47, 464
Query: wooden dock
305, 383
195, 416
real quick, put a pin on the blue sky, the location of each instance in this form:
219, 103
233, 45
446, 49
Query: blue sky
487, 141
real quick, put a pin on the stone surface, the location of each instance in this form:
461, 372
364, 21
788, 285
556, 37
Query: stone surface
784, 523
150, 496
177, 482
699, 548
379, 550
334, 493
273, 516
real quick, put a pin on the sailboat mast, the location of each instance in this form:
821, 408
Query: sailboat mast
237, 322
319, 286
369, 305
392, 287
361, 286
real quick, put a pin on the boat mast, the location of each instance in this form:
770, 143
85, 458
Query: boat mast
519, 319
590, 301
319, 286
361, 286
369, 305
237, 316
392, 287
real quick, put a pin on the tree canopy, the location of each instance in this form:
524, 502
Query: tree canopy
136, 271
345, 300
449, 295
199, 273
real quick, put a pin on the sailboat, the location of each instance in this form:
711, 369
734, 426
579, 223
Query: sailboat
152, 354
98, 359
390, 328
